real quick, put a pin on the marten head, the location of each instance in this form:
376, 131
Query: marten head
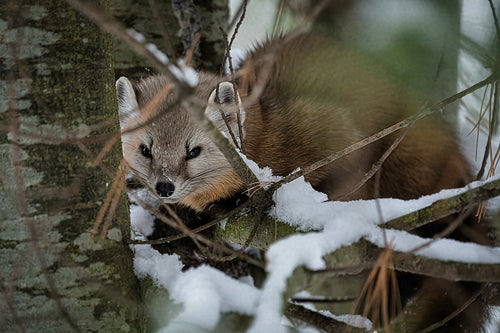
165, 148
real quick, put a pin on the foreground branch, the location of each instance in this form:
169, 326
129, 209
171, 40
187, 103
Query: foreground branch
385, 132
318, 320
197, 113
445, 207
238, 227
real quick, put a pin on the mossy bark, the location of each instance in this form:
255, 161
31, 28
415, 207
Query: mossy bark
57, 95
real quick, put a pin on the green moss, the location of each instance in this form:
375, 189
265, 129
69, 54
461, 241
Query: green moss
238, 228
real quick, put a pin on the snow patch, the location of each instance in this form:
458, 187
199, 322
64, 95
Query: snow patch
182, 71
205, 292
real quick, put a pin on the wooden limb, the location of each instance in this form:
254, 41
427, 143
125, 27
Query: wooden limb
196, 111
117, 29
238, 227
385, 132
318, 320
445, 207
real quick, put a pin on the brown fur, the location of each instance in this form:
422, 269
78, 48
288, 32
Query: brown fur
227, 185
320, 99
316, 98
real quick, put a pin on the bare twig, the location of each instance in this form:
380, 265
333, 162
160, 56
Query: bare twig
457, 311
228, 58
237, 14
161, 22
109, 24
385, 132
195, 108
117, 187
344, 299
316, 319
376, 166
278, 18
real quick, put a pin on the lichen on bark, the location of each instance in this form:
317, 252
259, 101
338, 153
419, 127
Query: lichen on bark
57, 81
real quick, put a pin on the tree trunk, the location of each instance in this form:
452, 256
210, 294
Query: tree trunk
172, 26
57, 110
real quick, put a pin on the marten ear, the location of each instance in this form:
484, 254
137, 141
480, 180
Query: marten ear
222, 101
127, 101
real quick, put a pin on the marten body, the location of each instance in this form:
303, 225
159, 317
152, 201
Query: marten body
316, 98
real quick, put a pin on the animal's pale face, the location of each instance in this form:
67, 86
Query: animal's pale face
174, 157
169, 153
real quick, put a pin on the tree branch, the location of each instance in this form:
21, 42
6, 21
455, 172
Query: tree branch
318, 320
196, 111
385, 132
445, 207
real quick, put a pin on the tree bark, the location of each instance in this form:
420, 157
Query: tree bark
58, 106
173, 27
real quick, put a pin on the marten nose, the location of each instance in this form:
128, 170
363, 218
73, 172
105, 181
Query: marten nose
165, 189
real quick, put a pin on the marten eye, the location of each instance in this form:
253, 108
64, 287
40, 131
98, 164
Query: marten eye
195, 152
145, 151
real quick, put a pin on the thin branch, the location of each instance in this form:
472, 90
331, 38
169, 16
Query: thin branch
477, 126
161, 22
385, 132
318, 320
367, 254
235, 92
344, 299
457, 311
109, 24
195, 108
376, 166
178, 225
445, 207
228, 58
237, 15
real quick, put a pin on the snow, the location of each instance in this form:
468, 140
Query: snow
353, 320
206, 293
344, 223
300, 205
142, 221
162, 57
136, 35
182, 71
264, 175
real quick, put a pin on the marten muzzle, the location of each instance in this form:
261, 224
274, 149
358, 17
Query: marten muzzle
165, 190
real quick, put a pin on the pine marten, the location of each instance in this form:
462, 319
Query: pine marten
317, 97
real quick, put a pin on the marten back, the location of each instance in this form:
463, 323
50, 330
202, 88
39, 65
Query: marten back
319, 98
303, 99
